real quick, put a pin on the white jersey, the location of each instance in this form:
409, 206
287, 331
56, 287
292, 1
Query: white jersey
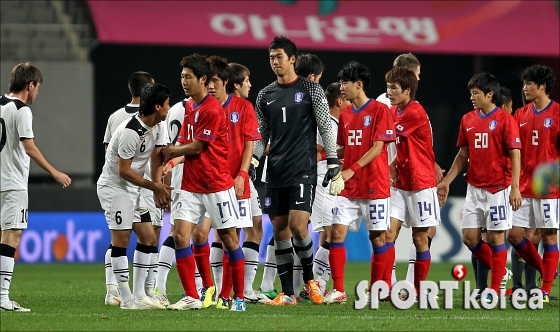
322, 165
15, 124
391, 147
174, 121
131, 140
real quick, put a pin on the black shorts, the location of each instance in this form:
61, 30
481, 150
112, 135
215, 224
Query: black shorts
279, 201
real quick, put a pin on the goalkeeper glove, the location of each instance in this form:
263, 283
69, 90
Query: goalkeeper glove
335, 176
253, 168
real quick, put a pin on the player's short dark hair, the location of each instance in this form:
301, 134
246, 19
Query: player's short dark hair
199, 66
405, 77
539, 74
505, 96
219, 67
137, 82
354, 71
152, 95
486, 82
307, 64
22, 75
238, 73
284, 43
407, 60
333, 93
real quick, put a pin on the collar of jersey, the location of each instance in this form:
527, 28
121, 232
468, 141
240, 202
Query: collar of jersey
131, 108
292, 82
137, 116
195, 106
544, 109
227, 101
400, 111
487, 115
361, 108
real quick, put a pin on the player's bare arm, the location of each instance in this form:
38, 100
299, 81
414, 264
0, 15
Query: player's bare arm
439, 173
171, 151
239, 181
394, 173
170, 164
34, 153
515, 194
458, 164
161, 194
367, 158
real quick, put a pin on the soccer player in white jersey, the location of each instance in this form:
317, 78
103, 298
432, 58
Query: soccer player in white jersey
147, 211
409, 61
135, 142
17, 147
321, 217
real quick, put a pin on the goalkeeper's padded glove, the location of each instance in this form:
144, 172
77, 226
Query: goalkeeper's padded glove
253, 168
335, 176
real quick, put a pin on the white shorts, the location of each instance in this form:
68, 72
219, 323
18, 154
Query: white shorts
349, 212
322, 210
156, 214
221, 206
537, 213
419, 208
483, 209
14, 210
256, 210
120, 206
245, 219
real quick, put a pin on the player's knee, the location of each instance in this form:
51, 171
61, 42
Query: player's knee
199, 236
181, 240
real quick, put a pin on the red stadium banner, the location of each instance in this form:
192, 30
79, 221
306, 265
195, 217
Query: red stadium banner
529, 28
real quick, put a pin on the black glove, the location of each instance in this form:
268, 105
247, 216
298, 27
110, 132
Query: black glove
253, 168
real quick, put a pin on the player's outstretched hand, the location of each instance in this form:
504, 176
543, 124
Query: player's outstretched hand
62, 178
162, 198
393, 174
335, 176
253, 168
166, 169
442, 192
515, 198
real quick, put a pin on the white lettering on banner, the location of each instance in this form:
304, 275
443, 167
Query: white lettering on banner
74, 243
344, 29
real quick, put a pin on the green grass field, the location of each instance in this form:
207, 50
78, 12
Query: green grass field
70, 297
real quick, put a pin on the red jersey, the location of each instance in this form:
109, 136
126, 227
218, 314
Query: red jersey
540, 137
415, 153
488, 138
243, 127
208, 171
357, 131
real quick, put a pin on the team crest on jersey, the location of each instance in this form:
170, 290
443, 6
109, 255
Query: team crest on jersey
547, 122
493, 124
298, 97
267, 201
196, 117
367, 121
234, 117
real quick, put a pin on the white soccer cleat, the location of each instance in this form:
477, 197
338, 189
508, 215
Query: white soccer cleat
153, 302
162, 299
137, 303
507, 276
186, 303
12, 306
113, 300
335, 296
255, 297
238, 305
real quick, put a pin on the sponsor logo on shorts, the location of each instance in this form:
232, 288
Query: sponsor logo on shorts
267, 201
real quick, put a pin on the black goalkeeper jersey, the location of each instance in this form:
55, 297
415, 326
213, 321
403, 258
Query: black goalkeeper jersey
289, 115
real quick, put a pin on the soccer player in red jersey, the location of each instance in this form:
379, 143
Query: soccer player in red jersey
539, 130
489, 141
364, 129
207, 185
414, 200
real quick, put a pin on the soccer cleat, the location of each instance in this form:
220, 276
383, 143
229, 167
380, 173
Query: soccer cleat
539, 281
335, 296
282, 299
509, 292
303, 297
314, 293
222, 303
161, 299
206, 294
271, 294
238, 305
13, 306
545, 297
186, 303
507, 276
137, 303
113, 300
255, 297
